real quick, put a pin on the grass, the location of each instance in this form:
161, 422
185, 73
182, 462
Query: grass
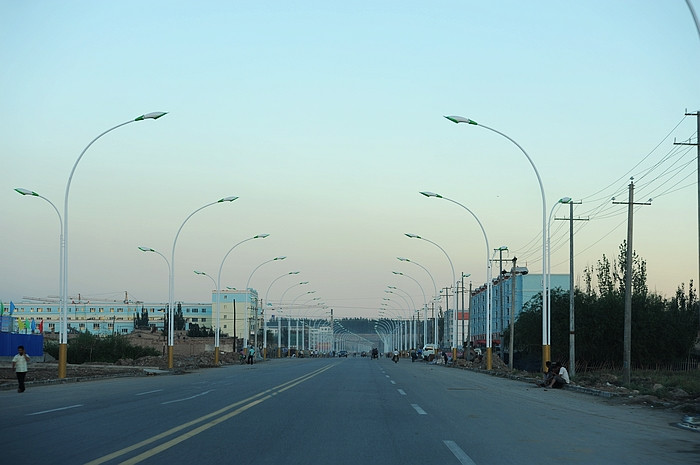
645, 380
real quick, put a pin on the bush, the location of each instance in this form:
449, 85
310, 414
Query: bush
87, 348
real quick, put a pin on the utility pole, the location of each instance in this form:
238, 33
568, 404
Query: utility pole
697, 144
444, 315
572, 325
626, 361
469, 326
511, 352
501, 310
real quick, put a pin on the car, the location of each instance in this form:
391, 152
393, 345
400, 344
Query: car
343, 353
428, 350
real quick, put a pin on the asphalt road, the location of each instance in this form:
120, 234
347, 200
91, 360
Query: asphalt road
332, 411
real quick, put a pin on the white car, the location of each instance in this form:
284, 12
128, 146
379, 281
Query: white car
428, 350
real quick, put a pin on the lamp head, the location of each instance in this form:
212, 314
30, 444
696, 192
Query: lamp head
460, 119
398, 273
304, 282
146, 249
565, 200
24, 191
280, 258
200, 272
402, 259
152, 115
294, 272
227, 199
413, 236
431, 194
260, 236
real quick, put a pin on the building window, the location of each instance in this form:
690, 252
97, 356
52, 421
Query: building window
102, 310
204, 320
95, 326
194, 310
195, 320
92, 310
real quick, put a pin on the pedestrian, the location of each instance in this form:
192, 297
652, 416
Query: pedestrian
251, 354
19, 364
560, 378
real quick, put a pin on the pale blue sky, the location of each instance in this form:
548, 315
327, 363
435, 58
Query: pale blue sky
325, 118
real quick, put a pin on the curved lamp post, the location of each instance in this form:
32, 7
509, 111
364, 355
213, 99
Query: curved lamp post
425, 306
289, 324
247, 286
61, 297
564, 200
488, 276
435, 331
63, 339
454, 281
148, 249
545, 311
171, 293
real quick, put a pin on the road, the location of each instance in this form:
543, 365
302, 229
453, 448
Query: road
332, 411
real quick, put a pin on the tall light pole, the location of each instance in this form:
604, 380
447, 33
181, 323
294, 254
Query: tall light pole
148, 249
279, 322
488, 277
549, 254
546, 336
425, 306
218, 295
435, 330
247, 286
61, 297
171, 293
216, 337
63, 339
454, 281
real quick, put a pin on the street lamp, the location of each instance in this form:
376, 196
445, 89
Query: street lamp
63, 339
216, 349
488, 275
247, 286
148, 249
425, 306
218, 294
435, 329
545, 310
171, 293
61, 297
454, 282
549, 257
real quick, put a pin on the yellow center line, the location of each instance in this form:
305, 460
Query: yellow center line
250, 401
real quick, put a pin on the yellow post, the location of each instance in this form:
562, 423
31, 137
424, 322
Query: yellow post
545, 356
170, 357
489, 360
216, 356
62, 360
454, 355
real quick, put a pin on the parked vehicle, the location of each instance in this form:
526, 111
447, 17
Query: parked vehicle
428, 350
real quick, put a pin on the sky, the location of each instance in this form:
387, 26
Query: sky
326, 120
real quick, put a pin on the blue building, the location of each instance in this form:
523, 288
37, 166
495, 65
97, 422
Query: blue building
526, 287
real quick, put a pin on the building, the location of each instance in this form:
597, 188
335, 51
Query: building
105, 317
526, 287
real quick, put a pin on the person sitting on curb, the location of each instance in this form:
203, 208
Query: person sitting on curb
560, 378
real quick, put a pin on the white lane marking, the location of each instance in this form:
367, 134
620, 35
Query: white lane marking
186, 398
463, 458
148, 392
418, 409
393, 382
402, 392
386, 376
55, 410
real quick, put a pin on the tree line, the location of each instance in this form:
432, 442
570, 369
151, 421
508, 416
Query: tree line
664, 330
